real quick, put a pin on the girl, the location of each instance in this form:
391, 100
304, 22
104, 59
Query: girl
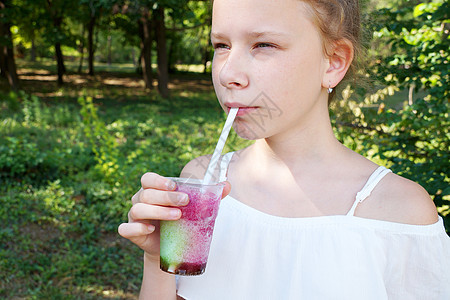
306, 217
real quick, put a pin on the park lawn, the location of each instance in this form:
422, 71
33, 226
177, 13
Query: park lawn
70, 175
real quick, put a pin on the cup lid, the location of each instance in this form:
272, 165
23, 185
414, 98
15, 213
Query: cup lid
193, 181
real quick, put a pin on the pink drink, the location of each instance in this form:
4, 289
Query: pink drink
184, 244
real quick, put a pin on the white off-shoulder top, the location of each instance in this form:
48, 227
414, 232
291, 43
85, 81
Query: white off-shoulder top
255, 255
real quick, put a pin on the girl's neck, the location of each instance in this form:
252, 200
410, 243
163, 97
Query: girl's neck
301, 149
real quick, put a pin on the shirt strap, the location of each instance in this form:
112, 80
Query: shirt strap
224, 166
371, 183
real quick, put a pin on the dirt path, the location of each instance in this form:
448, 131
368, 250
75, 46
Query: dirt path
42, 83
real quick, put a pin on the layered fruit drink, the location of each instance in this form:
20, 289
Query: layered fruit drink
184, 244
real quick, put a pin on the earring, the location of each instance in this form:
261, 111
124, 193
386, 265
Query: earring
330, 89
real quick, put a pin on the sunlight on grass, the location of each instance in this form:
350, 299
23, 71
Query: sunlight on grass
97, 291
126, 82
190, 68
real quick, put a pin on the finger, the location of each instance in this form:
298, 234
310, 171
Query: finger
155, 181
136, 197
129, 230
165, 198
226, 189
141, 211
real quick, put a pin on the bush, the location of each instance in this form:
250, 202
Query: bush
410, 53
38, 144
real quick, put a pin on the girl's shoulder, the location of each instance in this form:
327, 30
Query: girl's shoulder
394, 198
196, 168
400, 200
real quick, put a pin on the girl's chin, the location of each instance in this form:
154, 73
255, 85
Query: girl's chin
248, 132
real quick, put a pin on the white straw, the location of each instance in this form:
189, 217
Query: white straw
220, 144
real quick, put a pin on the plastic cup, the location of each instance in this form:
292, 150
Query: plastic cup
184, 244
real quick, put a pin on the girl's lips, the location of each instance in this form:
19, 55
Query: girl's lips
244, 110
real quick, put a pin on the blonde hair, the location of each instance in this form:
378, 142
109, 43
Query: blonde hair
337, 20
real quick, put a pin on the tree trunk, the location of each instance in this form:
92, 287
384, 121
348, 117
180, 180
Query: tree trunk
206, 59
133, 57
139, 63
81, 50
109, 45
11, 73
171, 57
33, 49
146, 49
2, 61
445, 30
7, 62
161, 46
57, 18
3, 36
207, 49
60, 62
91, 49
80, 64
57, 21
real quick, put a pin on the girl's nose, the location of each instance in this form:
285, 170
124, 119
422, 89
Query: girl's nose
233, 72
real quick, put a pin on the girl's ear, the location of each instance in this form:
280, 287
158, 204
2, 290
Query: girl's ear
338, 63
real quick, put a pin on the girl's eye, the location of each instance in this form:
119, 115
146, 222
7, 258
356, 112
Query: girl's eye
264, 45
220, 46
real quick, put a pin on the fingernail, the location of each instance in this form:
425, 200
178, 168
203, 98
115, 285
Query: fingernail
182, 199
170, 185
175, 213
151, 228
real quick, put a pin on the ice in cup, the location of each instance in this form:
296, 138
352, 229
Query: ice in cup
184, 244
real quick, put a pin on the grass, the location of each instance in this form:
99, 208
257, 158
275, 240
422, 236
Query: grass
67, 177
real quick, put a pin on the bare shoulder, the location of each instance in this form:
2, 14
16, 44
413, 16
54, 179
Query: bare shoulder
400, 200
196, 168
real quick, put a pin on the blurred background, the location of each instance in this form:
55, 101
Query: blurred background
93, 93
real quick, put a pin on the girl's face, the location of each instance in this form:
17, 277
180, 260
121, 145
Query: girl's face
268, 61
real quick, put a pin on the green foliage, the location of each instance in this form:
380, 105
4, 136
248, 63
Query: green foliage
102, 143
24, 155
417, 144
116, 31
68, 169
418, 46
410, 51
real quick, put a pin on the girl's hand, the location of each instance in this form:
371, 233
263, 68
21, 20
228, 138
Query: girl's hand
155, 201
